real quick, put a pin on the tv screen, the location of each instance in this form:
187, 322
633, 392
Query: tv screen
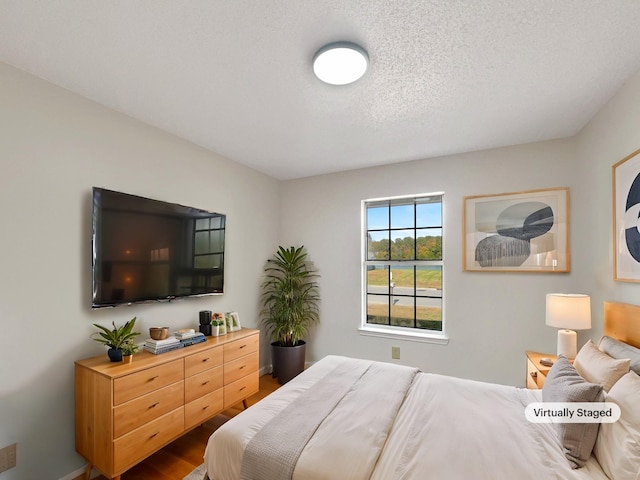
148, 250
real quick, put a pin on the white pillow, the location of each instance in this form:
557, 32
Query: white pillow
595, 366
618, 444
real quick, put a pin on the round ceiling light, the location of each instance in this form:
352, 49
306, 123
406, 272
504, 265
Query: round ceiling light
340, 63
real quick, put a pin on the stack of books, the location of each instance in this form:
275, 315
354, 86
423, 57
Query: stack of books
189, 336
162, 346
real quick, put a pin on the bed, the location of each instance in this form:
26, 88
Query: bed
347, 418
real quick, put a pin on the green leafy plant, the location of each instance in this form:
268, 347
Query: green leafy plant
290, 296
118, 336
129, 347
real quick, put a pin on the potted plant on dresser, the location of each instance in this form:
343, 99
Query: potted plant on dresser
290, 306
129, 348
116, 338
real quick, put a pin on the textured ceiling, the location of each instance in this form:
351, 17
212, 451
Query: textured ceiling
234, 76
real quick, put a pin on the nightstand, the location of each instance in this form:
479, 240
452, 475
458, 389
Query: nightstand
536, 372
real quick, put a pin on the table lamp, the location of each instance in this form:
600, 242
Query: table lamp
568, 312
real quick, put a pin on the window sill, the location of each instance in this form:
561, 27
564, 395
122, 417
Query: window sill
410, 334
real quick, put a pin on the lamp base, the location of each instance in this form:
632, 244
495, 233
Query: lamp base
567, 343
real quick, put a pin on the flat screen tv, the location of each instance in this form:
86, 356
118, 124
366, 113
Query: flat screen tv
147, 250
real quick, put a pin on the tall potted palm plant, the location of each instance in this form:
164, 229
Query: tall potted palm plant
290, 306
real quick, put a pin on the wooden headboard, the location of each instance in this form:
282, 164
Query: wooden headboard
622, 322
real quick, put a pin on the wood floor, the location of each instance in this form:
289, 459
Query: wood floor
179, 458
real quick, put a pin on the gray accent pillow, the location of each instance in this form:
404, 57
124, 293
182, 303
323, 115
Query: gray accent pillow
620, 350
564, 384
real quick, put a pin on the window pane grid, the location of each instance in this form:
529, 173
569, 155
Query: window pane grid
404, 263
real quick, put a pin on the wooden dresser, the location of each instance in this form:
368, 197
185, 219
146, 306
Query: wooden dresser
126, 412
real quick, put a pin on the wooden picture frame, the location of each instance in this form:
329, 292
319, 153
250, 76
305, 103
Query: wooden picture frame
626, 213
517, 232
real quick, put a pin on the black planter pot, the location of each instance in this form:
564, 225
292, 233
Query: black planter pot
115, 354
287, 362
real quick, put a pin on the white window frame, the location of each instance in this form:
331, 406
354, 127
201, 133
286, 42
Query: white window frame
388, 331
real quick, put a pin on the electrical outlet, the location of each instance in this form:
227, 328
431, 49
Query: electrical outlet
395, 353
8, 457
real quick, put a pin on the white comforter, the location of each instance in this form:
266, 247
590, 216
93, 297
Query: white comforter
447, 428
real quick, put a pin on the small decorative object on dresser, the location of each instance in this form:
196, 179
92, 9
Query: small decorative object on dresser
218, 325
205, 322
129, 348
232, 319
159, 333
115, 338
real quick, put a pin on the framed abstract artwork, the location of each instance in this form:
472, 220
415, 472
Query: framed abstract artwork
517, 232
626, 219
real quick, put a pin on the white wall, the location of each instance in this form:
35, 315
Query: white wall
492, 318
54, 146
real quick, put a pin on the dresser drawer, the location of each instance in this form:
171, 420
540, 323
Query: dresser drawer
202, 383
136, 384
240, 389
237, 369
139, 443
134, 413
203, 408
535, 379
202, 361
240, 348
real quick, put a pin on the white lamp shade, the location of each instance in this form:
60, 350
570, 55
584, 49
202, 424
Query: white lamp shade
570, 311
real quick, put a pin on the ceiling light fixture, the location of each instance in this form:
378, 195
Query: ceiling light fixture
340, 63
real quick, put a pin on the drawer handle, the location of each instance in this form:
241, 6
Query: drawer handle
153, 435
242, 367
154, 405
205, 407
242, 346
204, 383
205, 359
242, 388
153, 378
533, 374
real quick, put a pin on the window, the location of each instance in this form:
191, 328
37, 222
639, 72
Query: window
402, 267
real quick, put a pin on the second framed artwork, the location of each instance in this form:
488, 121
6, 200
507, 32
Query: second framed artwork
517, 232
626, 215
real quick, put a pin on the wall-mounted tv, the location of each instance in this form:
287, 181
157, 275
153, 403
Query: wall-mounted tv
148, 250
